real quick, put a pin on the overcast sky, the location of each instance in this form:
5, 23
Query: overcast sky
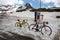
34, 3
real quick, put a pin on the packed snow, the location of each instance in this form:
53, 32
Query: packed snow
7, 23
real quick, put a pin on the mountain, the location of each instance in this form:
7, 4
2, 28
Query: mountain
27, 6
5, 7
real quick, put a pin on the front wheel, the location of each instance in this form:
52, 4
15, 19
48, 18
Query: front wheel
46, 30
25, 25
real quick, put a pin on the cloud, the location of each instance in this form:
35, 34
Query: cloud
56, 2
10, 2
48, 1
49, 6
20, 2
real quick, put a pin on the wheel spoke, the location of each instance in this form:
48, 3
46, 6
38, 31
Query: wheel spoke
46, 30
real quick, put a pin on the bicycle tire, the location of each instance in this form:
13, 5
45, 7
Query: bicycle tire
32, 25
45, 30
16, 24
26, 24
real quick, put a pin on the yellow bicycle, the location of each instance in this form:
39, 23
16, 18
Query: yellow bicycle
21, 23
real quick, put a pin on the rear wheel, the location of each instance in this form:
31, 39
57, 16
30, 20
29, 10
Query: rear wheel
46, 30
16, 24
32, 27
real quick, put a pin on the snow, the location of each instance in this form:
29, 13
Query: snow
8, 24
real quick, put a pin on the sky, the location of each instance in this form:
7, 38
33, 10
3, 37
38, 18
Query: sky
34, 3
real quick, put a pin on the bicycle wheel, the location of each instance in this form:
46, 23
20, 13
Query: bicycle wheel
16, 24
25, 24
32, 27
46, 30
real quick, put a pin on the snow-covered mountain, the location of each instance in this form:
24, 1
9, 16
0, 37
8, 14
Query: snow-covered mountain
12, 9
7, 8
27, 6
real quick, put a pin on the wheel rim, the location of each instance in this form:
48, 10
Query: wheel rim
25, 25
16, 24
32, 27
46, 30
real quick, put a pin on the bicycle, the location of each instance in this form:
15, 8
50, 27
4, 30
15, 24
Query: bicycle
41, 28
21, 23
